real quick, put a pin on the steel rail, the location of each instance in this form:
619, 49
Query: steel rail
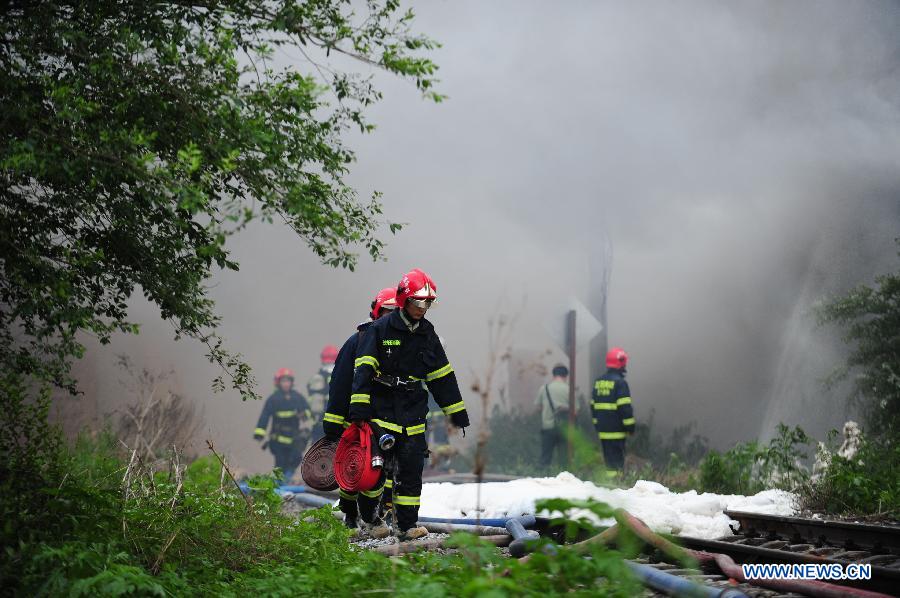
850, 535
884, 579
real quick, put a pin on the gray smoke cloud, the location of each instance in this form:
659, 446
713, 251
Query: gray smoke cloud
741, 158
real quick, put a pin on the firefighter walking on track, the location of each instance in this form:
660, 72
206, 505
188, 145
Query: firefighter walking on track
357, 505
286, 408
612, 410
395, 356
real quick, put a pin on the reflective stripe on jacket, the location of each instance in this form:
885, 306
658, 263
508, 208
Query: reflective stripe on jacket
389, 349
612, 411
285, 411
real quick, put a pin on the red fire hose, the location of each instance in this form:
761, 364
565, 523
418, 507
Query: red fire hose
353, 468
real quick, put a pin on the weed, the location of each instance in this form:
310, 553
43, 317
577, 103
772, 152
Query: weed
749, 467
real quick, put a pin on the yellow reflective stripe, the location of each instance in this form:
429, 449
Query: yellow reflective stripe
601, 406
411, 430
593, 420
611, 473
347, 495
416, 379
284, 439
454, 408
388, 425
366, 360
389, 483
628, 421
624, 401
286, 413
611, 435
259, 431
333, 418
407, 501
440, 373
360, 398
373, 493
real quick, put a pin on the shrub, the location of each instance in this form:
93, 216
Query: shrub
749, 467
867, 484
187, 531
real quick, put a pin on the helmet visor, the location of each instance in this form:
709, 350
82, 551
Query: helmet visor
421, 303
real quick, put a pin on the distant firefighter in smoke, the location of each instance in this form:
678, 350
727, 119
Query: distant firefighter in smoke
317, 389
613, 414
287, 408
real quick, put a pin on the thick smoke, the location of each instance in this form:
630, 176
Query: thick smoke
741, 158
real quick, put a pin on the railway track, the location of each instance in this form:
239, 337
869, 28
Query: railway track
796, 540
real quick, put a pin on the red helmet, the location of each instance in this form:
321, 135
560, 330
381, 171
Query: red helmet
329, 354
385, 299
616, 358
415, 284
282, 373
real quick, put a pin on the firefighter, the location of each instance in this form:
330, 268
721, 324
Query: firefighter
287, 408
613, 414
395, 356
317, 388
364, 505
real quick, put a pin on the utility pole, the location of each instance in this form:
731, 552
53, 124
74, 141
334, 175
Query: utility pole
570, 337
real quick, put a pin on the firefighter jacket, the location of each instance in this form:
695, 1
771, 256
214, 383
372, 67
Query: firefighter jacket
341, 385
394, 365
612, 413
285, 411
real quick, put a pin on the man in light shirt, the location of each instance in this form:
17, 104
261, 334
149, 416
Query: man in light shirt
553, 402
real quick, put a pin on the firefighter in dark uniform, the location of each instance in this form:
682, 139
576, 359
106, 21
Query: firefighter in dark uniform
612, 409
286, 408
364, 505
395, 356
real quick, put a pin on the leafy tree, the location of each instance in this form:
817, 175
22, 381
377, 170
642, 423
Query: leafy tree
870, 317
136, 137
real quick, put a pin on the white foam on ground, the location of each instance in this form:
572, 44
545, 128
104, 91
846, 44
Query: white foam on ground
684, 513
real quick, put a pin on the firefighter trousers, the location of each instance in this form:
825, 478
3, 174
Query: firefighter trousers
287, 457
614, 454
409, 463
365, 504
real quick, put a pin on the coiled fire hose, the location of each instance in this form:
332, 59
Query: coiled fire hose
317, 468
357, 463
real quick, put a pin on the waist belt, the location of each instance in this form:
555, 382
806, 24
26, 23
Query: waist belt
397, 383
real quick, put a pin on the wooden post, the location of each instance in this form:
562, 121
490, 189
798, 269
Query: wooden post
570, 337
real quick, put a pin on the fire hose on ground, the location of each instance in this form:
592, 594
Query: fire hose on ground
816, 589
352, 462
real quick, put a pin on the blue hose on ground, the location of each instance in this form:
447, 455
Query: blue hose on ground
673, 585
313, 500
298, 494
281, 490
528, 521
523, 540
